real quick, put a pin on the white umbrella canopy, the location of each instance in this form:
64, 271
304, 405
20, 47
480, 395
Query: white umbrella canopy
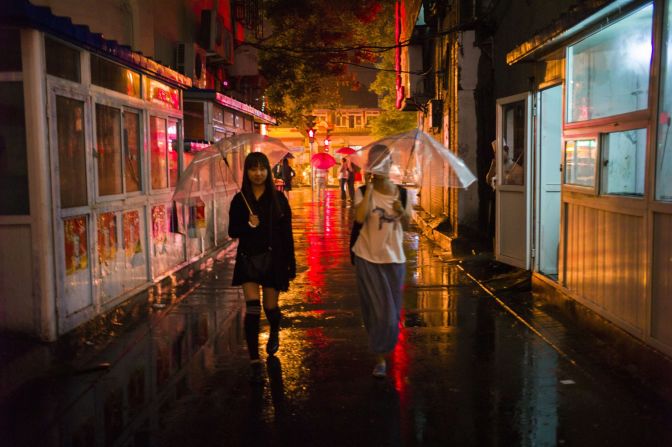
411, 154
209, 168
209, 163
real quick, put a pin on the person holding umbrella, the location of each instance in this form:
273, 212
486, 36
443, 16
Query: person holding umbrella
383, 212
261, 218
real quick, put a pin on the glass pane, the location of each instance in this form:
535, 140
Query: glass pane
132, 163
108, 150
62, 60
13, 162
71, 151
11, 49
608, 72
623, 158
158, 157
114, 77
664, 156
513, 143
580, 156
173, 151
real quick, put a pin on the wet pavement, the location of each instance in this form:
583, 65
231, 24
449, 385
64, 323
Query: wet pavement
476, 364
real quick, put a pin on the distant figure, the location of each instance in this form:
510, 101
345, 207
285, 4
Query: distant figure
287, 175
344, 174
321, 183
352, 172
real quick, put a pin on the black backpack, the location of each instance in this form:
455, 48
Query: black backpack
357, 227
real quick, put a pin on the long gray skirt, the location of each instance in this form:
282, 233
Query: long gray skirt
380, 294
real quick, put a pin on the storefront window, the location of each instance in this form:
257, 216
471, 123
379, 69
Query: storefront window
62, 60
14, 198
173, 152
513, 143
608, 72
108, 150
112, 76
622, 162
664, 151
159, 148
132, 160
580, 158
71, 151
11, 49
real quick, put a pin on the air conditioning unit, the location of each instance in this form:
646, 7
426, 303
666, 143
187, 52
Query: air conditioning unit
435, 113
190, 61
215, 38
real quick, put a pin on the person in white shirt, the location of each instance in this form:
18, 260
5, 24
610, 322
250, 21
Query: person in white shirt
380, 261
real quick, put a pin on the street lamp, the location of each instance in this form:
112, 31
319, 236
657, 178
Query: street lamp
310, 131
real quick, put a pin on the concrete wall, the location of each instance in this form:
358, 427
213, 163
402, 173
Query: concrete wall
467, 125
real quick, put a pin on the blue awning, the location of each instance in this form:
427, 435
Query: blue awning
23, 14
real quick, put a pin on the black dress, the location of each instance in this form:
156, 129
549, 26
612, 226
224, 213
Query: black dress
256, 240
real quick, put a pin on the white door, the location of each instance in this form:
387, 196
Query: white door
512, 232
549, 148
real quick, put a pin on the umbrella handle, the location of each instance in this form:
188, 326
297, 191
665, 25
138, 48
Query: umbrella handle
226, 162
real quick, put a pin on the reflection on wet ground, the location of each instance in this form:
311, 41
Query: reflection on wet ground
464, 372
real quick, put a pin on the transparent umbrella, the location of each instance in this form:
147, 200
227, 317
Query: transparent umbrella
411, 155
209, 172
212, 161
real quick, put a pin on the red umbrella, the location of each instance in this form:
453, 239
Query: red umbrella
345, 150
322, 160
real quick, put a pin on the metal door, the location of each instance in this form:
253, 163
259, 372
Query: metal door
549, 148
512, 232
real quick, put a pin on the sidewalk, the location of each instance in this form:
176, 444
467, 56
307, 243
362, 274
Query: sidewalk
574, 331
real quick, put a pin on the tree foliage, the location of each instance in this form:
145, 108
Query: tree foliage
311, 44
308, 50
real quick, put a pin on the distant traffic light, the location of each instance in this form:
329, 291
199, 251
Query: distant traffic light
311, 135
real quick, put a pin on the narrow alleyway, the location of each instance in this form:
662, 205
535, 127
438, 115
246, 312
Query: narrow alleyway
465, 371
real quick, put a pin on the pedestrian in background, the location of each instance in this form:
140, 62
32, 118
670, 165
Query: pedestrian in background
321, 183
379, 257
261, 219
343, 175
287, 175
352, 171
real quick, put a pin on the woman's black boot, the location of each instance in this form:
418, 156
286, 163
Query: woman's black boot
273, 316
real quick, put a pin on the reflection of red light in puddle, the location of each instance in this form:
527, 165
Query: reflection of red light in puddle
317, 338
400, 360
321, 245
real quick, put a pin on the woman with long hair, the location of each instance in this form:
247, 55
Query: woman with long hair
261, 218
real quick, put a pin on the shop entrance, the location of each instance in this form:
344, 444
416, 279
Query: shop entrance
512, 233
549, 148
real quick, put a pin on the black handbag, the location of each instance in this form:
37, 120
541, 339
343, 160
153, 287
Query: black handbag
255, 267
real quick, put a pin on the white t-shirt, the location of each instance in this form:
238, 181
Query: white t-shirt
381, 239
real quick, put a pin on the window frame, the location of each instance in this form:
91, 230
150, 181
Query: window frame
652, 74
111, 102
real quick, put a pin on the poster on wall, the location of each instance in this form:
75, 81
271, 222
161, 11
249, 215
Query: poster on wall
159, 236
132, 241
76, 244
107, 240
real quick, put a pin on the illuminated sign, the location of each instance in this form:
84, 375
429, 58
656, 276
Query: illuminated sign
159, 93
